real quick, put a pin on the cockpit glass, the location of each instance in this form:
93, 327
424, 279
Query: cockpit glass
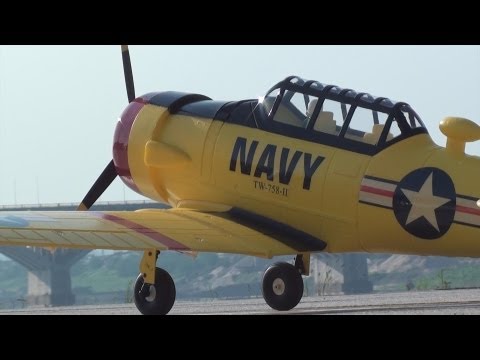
320, 109
268, 101
297, 81
367, 98
386, 102
293, 109
411, 117
335, 90
317, 86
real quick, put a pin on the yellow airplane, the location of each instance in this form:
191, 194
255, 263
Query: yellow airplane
308, 168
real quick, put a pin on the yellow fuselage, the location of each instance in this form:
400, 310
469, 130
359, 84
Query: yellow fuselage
341, 197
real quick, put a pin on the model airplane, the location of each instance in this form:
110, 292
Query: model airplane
307, 168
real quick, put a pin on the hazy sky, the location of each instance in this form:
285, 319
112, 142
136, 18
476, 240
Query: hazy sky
59, 104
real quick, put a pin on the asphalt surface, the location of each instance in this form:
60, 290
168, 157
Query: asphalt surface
449, 302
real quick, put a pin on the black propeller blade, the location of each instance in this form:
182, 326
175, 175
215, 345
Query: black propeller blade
127, 70
110, 173
102, 183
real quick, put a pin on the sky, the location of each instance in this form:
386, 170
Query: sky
59, 104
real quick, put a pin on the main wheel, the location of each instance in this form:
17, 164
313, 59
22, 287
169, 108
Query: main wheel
159, 298
282, 286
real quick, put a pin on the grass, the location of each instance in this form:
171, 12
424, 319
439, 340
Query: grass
448, 278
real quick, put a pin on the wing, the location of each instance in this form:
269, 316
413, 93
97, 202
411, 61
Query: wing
173, 229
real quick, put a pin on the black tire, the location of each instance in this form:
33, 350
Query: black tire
159, 303
282, 286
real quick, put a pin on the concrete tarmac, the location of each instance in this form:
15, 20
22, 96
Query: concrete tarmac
437, 302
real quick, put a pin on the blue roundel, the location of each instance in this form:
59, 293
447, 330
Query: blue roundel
424, 202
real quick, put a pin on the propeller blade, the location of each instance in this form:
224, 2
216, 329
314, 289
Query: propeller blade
127, 70
99, 187
110, 172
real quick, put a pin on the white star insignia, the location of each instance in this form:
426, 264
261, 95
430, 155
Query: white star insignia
424, 203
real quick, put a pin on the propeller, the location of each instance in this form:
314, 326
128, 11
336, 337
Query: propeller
103, 182
127, 71
110, 173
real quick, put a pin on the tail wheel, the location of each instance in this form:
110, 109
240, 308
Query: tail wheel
159, 298
282, 286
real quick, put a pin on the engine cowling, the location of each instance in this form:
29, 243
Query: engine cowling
159, 141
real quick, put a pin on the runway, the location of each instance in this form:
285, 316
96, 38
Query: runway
448, 302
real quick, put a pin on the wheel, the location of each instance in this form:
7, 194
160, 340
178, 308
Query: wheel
282, 286
160, 297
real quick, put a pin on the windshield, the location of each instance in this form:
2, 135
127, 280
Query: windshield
410, 116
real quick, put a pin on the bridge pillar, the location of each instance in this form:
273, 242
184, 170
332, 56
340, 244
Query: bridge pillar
50, 287
49, 281
355, 274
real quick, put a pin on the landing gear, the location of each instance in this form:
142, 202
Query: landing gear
154, 292
282, 286
156, 299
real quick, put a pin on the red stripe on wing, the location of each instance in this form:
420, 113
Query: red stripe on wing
152, 234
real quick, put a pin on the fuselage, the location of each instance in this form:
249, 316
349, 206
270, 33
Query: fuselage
411, 196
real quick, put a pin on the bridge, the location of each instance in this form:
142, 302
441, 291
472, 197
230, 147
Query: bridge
49, 280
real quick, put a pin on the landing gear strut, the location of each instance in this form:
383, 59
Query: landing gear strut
282, 286
154, 291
